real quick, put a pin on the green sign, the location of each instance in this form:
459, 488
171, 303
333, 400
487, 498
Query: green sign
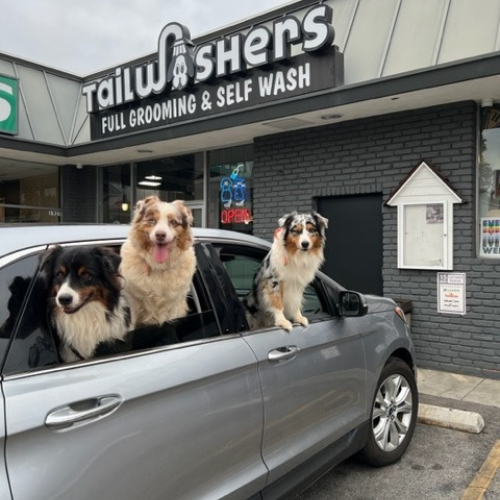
9, 105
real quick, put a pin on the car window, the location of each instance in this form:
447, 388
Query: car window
35, 342
241, 264
16, 280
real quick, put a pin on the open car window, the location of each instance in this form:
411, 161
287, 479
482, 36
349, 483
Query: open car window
241, 264
35, 344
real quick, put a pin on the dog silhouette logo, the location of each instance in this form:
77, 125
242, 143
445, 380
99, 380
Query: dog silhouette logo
182, 66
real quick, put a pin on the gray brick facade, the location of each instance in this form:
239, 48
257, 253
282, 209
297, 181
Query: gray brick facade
374, 155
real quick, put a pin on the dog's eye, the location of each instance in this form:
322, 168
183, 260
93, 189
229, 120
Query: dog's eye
174, 223
151, 221
60, 274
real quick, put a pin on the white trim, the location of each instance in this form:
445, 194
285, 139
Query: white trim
456, 199
447, 240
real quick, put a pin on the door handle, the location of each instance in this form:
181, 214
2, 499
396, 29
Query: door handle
287, 352
83, 411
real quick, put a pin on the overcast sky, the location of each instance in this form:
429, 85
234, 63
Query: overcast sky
84, 36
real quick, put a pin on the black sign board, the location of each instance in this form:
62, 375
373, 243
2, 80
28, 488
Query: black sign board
303, 74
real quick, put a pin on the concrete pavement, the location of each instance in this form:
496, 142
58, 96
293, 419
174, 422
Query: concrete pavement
461, 388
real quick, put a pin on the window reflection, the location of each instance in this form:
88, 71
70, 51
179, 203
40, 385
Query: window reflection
174, 178
29, 192
489, 164
117, 201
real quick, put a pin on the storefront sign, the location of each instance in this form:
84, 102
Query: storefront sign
230, 74
234, 192
490, 237
235, 216
8, 105
451, 293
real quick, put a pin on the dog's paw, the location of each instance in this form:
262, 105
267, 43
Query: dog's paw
302, 320
285, 324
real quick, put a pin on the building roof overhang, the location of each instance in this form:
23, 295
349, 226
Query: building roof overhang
476, 79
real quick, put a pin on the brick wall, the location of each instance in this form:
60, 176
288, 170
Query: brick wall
373, 156
79, 193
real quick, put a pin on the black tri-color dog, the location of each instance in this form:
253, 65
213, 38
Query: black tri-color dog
88, 306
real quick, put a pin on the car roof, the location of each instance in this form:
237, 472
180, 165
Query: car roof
18, 237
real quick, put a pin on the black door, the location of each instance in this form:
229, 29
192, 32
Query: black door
353, 252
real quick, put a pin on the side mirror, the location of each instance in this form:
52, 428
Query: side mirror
352, 304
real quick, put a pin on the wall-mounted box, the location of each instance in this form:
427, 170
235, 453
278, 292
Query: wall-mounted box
425, 220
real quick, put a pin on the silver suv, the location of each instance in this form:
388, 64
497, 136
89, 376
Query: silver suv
224, 413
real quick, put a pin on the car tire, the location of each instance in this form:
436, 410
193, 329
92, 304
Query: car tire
393, 415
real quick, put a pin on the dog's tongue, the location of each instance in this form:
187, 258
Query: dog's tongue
161, 253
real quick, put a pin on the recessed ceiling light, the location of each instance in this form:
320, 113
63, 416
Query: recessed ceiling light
153, 178
149, 183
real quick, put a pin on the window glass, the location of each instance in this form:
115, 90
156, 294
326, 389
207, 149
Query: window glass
116, 204
173, 178
489, 183
31, 341
230, 188
29, 192
241, 269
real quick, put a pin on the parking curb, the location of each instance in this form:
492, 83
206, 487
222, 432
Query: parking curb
449, 418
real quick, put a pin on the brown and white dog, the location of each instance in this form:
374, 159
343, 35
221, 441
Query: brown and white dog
158, 261
295, 256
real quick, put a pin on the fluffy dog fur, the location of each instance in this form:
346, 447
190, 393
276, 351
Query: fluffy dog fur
87, 303
295, 256
158, 261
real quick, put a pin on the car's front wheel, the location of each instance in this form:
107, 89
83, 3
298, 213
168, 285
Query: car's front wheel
393, 416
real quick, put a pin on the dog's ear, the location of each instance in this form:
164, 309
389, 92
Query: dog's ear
140, 206
321, 221
109, 257
286, 219
186, 213
48, 260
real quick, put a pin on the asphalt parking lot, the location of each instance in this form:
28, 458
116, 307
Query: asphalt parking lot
440, 464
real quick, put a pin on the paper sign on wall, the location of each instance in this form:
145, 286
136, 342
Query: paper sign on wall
451, 293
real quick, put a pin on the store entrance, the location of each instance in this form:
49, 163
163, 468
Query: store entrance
353, 251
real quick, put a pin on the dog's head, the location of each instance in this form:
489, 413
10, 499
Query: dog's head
160, 226
79, 275
303, 232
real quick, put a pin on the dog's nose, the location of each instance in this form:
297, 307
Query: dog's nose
305, 245
160, 236
65, 299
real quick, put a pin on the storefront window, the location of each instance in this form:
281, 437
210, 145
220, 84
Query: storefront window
175, 178
117, 202
230, 188
489, 183
29, 192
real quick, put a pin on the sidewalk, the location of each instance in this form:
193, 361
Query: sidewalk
458, 387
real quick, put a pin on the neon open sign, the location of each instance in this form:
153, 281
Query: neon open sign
235, 216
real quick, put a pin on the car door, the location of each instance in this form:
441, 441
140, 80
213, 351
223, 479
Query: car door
182, 421
313, 379
4, 485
